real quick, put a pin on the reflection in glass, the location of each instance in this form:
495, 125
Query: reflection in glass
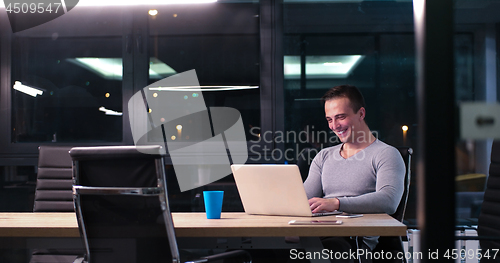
321, 67
368, 44
221, 43
26, 89
82, 89
111, 68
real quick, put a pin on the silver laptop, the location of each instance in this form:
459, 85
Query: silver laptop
272, 189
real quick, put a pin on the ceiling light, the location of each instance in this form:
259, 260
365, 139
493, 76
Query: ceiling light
26, 89
144, 2
204, 88
329, 64
159, 70
321, 67
108, 68
112, 68
110, 112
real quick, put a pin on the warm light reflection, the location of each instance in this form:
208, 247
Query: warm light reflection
405, 130
173, 137
179, 131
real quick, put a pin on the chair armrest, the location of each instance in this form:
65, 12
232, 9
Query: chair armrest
78, 189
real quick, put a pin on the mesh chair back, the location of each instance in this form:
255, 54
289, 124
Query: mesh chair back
53, 184
489, 218
120, 194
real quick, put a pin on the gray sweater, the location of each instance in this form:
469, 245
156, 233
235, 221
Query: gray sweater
371, 181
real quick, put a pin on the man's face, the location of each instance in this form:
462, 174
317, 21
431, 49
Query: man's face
343, 120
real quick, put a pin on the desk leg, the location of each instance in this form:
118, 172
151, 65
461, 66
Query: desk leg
314, 247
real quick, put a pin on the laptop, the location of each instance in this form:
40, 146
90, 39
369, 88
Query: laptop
273, 189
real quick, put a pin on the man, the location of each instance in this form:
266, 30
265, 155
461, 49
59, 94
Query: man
360, 175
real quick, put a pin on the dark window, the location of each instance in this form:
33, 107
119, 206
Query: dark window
79, 100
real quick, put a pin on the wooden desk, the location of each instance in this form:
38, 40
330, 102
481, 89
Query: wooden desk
38, 225
241, 224
232, 231
196, 225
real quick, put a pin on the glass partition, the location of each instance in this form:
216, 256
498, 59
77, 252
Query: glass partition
368, 44
476, 81
371, 44
67, 81
79, 90
221, 42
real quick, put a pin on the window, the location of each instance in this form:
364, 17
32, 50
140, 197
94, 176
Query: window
366, 44
221, 43
80, 89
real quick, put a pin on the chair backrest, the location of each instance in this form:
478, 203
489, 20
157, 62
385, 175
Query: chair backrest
53, 184
304, 160
489, 217
395, 244
406, 153
119, 194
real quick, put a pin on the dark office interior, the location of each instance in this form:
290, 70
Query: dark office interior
92, 60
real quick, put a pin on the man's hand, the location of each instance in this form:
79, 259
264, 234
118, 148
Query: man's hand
323, 205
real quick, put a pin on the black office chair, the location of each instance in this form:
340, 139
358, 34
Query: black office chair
304, 160
122, 208
395, 244
488, 226
53, 182
53, 194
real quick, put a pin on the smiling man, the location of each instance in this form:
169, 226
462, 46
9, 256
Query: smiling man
360, 175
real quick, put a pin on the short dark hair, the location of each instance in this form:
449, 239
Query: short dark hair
346, 91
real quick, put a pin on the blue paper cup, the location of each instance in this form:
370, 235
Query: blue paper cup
213, 203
